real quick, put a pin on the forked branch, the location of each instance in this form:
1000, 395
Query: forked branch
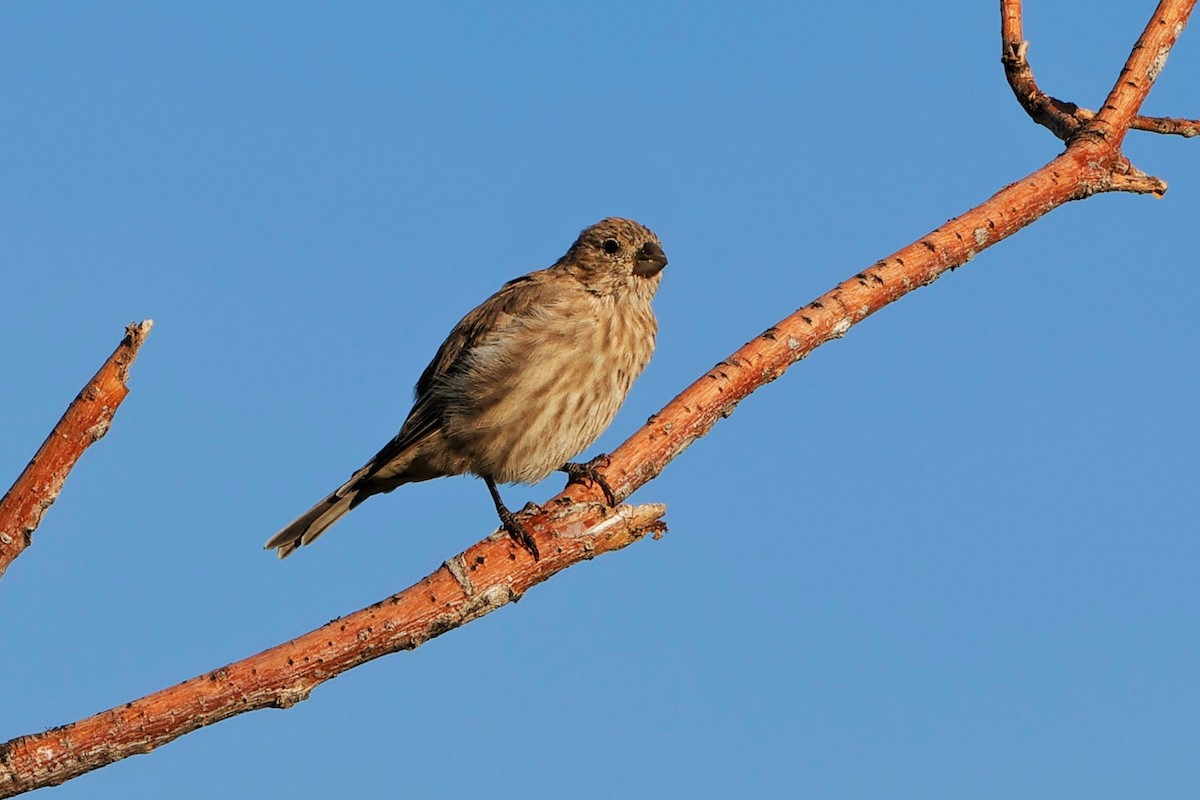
1063, 118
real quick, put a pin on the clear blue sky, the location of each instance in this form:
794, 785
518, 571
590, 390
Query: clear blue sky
952, 555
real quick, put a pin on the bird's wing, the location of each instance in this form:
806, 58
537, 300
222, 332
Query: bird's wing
514, 301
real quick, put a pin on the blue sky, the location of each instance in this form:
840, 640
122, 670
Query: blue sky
953, 554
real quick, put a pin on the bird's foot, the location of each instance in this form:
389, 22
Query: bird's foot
520, 534
516, 529
589, 473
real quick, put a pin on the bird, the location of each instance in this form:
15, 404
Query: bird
524, 383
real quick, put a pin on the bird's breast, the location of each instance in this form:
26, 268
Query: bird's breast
537, 394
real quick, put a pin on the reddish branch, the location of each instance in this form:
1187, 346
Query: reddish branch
571, 528
1142, 68
489, 575
1064, 119
86, 421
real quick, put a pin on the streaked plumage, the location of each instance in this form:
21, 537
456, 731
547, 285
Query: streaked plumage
523, 383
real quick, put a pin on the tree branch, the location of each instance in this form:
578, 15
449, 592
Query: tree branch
1142, 68
571, 527
86, 420
489, 575
1065, 119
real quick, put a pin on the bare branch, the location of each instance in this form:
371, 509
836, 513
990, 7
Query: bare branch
1141, 69
694, 412
489, 575
86, 420
1063, 118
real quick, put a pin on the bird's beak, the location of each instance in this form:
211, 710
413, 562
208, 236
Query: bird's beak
650, 260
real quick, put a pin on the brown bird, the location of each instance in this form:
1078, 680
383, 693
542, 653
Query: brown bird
523, 383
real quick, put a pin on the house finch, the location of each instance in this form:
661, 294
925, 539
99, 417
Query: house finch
524, 382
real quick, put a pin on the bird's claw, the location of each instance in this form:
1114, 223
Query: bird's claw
589, 472
520, 534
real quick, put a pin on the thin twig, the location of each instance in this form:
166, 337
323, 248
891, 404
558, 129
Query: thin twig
1169, 126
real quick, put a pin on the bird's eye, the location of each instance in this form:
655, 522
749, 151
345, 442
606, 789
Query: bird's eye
611, 246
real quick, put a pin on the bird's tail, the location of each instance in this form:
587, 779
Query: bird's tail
312, 523
383, 473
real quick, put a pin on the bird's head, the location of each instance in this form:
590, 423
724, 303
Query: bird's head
616, 255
